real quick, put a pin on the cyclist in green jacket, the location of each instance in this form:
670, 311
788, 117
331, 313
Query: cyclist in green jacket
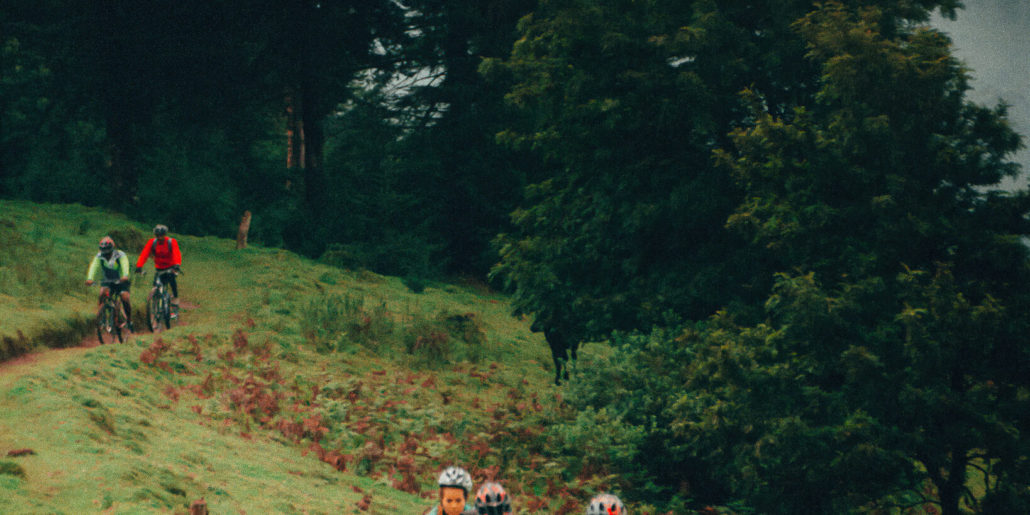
115, 279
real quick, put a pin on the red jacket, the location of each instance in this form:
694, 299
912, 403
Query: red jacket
166, 255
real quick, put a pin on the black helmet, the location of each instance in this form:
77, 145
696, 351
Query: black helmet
160, 230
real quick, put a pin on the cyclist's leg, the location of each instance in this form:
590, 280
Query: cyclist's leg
173, 286
127, 308
104, 292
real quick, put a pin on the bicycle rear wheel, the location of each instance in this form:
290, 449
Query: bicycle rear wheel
106, 325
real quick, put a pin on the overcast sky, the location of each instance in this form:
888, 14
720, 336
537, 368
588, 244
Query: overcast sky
993, 38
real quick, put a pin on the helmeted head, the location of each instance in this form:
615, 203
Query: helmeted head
106, 246
492, 499
160, 230
455, 484
606, 504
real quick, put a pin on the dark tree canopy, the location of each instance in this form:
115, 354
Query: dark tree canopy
780, 220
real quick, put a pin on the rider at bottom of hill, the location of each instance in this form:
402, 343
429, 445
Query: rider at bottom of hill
167, 260
115, 279
455, 486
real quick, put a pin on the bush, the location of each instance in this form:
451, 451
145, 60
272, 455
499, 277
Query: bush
623, 396
12, 469
330, 321
432, 341
129, 239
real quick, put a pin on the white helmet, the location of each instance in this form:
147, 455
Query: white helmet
456, 477
606, 504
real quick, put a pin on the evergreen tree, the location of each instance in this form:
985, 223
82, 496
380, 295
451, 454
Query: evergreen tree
884, 372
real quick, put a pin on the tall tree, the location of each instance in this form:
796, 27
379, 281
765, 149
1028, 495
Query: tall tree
471, 183
893, 329
625, 102
884, 372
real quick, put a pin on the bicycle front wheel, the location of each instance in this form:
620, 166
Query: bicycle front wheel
166, 310
106, 325
154, 316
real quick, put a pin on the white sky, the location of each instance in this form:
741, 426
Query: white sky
992, 37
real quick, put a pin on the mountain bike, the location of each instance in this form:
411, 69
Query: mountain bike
111, 319
159, 304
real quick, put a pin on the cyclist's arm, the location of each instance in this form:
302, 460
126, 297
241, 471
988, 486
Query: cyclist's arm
94, 267
123, 265
144, 254
176, 256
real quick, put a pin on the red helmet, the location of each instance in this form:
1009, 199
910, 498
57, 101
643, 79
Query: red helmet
492, 500
106, 244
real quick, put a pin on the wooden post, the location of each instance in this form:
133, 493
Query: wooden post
199, 507
241, 236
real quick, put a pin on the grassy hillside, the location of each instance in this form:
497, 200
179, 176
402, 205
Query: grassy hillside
289, 387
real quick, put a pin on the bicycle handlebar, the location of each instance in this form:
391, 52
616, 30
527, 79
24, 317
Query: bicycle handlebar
176, 272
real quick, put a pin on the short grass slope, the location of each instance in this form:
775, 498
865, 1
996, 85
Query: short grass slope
287, 387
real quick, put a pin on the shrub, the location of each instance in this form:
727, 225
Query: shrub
129, 239
434, 340
623, 396
12, 469
427, 341
326, 322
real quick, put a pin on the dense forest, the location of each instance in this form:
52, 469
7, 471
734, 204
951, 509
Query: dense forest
784, 217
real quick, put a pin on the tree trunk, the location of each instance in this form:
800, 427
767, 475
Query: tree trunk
311, 119
241, 235
294, 132
950, 490
121, 157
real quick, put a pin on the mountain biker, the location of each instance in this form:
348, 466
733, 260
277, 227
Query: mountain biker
167, 261
455, 484
492, 499
606, 504
115, 278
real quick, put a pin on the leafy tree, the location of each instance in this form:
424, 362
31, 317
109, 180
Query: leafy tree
451, 114
625, 102
870, 362
883, 373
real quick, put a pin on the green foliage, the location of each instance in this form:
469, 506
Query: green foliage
10, 468
333, 321
625, 102
434, 341
625, 424
186, 181
907, 283
129, 239
842, 372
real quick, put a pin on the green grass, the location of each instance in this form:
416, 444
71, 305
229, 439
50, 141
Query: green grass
282, 373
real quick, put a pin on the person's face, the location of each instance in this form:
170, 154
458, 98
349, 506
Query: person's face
452, 500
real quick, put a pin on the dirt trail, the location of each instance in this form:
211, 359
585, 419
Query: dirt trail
12, 370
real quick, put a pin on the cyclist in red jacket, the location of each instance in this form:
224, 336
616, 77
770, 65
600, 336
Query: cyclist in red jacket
167, 261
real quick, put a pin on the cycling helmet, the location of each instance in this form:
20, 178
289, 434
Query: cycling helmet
492, 500
106, 244
160, 230
456, 477
606, 504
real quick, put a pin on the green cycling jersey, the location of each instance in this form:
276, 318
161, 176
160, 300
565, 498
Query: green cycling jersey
115, 267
